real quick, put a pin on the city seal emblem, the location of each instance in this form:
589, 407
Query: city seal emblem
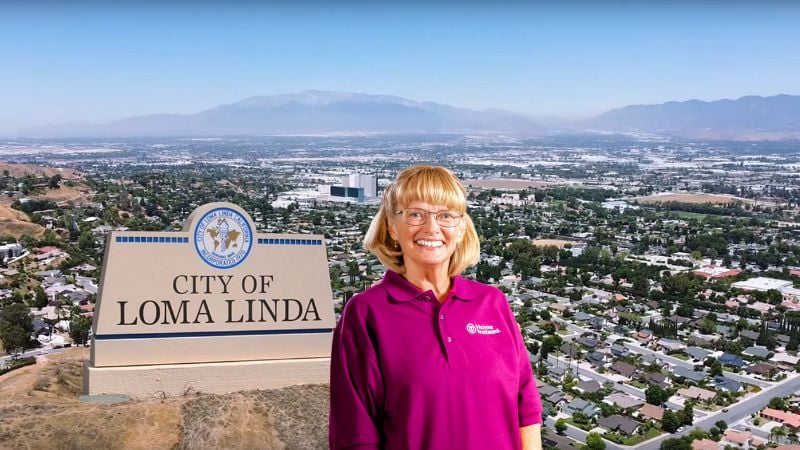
223, 238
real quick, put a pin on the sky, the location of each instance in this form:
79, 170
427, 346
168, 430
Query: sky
100, 61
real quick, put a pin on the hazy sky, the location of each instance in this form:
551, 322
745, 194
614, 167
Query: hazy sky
102, 61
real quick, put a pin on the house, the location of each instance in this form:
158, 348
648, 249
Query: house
625, 369
620, 424
697, 354
596, 322
555, 396
757, 352
556, 372
551, 440
623, 400
656, 378
740, 439
596, 359
670, 345
588, 342
569, 349
689, 374
696, 393
580, 405
705, 444
748, 334
644, 337
581, 316
731, 361
619, 350
763, 370
651, 412
789, 419
726, 384
589, 387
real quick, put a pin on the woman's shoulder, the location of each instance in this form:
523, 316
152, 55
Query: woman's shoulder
468, 287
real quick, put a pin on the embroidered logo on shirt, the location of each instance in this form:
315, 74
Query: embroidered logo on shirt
482, 329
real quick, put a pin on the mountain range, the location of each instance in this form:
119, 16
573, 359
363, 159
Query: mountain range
329, 112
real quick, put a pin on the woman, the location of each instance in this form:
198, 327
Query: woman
427, 359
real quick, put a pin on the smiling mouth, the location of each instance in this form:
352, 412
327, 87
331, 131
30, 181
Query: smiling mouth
431, 244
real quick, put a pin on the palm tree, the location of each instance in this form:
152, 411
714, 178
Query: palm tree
778, 433
793, 438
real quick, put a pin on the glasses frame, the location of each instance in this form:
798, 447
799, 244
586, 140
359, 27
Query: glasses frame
428, 214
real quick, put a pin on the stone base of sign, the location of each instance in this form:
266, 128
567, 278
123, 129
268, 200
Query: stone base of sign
216, 378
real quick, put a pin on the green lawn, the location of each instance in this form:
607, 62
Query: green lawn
680, 356
633, 440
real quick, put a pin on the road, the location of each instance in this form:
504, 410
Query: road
636, 347
33, 352
587, 371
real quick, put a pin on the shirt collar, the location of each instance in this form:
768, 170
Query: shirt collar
402, 290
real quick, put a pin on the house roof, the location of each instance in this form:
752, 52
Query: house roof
697, 353
705, 444
731, 360
690, 374
590, 386
623, 400
652, 411
756, 351
697, 393
620, 423
791, 419
624, 368
761, 369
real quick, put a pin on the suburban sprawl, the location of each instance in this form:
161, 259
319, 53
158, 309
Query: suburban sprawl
656, 282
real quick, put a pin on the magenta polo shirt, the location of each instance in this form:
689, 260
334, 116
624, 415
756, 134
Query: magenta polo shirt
410, 373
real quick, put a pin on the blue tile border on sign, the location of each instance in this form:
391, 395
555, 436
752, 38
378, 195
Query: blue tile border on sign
277, 241
184, 334
152, 240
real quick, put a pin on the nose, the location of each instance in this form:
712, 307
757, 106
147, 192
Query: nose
431, 224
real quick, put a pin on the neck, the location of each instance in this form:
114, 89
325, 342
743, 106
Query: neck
434, 279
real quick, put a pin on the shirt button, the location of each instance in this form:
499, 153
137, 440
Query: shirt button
449, 339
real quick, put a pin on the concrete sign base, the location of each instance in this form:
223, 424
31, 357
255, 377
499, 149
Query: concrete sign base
168, 380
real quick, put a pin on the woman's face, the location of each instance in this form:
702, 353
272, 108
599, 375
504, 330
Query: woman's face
429, 245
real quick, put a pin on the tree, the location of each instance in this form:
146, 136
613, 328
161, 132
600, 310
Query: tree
686, 416
79, 329
594, 442
40, 300
779, 433
561, 426
15, 327
777, 403
656, 395
670, 422
676, 444
721, 424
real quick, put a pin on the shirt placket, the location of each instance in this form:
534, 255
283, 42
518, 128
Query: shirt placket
445, 332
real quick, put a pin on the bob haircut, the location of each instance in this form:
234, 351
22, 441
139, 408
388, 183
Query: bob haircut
430, 184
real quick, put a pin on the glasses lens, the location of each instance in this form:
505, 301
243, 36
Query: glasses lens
448, 218
415, 216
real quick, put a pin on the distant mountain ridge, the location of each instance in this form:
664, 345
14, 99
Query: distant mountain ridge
333, 112
752, 115
311, 112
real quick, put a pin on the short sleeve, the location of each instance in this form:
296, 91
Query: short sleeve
356, 386
528, 398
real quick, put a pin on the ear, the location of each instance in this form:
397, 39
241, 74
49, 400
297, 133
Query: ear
392, 229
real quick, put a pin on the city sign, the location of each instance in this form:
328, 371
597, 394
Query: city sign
215, 307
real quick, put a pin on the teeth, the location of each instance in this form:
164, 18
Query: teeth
430, 243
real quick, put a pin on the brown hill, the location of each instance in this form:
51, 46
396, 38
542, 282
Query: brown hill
20, 170
39, 409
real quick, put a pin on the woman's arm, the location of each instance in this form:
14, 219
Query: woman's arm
531, 437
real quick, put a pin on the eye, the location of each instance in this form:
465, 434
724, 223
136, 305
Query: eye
448, 215
414, 214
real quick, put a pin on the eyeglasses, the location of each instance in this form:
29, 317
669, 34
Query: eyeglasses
414, 216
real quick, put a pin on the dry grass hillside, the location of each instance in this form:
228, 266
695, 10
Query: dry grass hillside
39, 409
20, 170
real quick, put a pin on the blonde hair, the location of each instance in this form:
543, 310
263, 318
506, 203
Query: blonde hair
430, 184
